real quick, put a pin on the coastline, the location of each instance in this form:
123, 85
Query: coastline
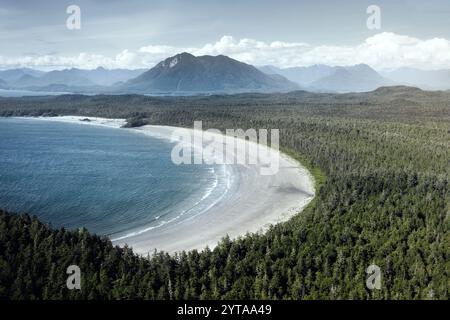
256, 202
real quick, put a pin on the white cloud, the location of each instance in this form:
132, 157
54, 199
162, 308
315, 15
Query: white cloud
381, 51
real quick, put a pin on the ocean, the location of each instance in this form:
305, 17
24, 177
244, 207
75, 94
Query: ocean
114, 182
26, 93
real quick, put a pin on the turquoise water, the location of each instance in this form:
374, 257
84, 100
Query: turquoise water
112, 181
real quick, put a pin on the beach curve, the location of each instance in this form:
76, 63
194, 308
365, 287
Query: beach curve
256, 201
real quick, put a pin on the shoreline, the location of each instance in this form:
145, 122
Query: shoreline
255, 203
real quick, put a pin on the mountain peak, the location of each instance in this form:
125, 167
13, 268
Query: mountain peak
361, 67
185, 72
171, 62
185, 54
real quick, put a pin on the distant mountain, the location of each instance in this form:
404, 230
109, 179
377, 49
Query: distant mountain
69, 78
303, 76
425, 79
3, 84
108, 77
358, 78
325, 78
268, 69
185, 73
13, 75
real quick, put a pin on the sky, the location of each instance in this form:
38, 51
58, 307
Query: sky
284, 33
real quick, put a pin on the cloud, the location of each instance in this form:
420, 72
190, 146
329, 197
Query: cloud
389, 50
382, 51
124, 59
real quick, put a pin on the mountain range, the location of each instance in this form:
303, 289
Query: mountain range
303, 76
186, 74
13, 75
74, 78
323, 78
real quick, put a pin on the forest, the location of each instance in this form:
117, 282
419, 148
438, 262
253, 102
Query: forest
381, 161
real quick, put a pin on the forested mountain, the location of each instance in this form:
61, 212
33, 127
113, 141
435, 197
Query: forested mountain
381, 164
185, 73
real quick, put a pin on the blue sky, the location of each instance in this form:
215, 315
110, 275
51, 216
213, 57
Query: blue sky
137, 33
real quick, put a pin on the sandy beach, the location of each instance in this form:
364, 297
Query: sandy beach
254, 203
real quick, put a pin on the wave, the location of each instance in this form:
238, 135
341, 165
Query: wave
194, 211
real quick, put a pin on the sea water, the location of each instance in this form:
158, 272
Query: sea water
115, 182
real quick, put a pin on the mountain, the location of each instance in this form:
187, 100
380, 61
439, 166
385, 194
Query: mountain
303, 76
425, 79
108, 77
358, 78
325, 78
13, 75
185, 73
3, 84
268, 69
70, 78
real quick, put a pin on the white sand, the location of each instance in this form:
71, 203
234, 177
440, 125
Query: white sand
252, 206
